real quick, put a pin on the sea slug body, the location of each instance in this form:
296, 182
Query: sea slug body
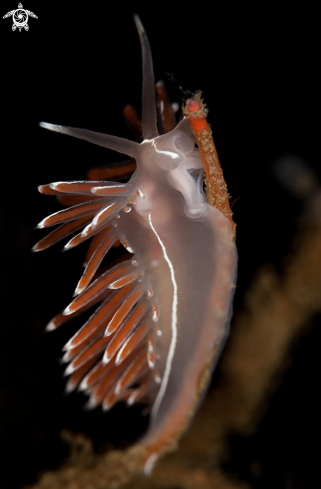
163, 310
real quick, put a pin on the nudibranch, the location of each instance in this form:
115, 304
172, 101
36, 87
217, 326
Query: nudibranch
163, 310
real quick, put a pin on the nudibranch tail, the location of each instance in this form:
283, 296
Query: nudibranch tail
163, 306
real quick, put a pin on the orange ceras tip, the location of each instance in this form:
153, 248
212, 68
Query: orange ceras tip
216, 189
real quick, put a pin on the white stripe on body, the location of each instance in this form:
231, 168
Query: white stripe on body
172, 346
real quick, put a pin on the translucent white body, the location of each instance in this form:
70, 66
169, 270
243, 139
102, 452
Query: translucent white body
188, 255
184, 264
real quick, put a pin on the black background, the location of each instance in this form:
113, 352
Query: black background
78, 65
